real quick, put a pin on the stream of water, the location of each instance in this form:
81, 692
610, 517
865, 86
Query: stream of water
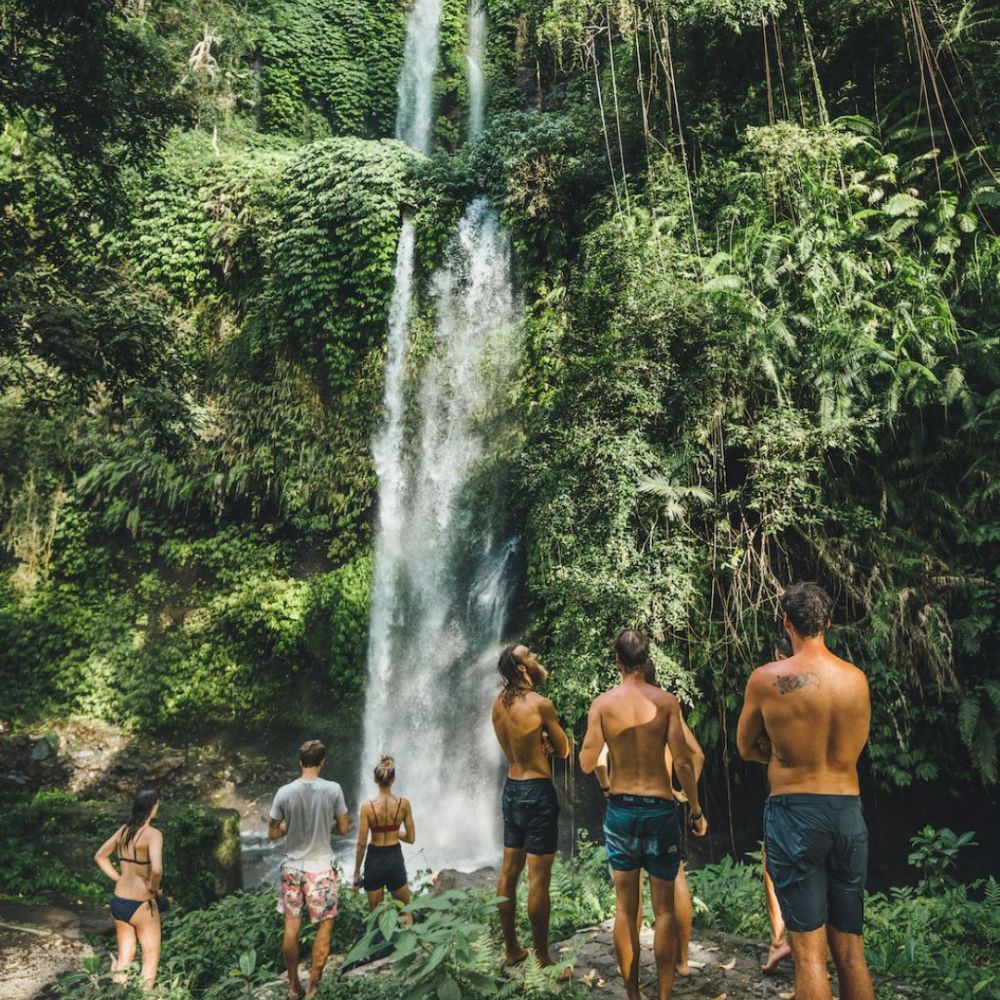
444, 568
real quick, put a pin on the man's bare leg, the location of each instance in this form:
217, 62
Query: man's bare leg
639, 915
540, 906
853, 977
626, 933
510, 872
664, 935
320, 953
290, 953
812, 981
684, 917
779, 948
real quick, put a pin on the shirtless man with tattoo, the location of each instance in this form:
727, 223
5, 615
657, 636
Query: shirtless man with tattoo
807, 718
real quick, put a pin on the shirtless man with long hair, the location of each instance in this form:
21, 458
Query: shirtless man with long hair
528, 731
807, 718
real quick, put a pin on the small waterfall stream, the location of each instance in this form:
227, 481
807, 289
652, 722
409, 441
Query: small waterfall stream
444, 571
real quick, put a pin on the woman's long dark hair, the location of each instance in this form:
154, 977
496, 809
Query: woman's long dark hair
142, 806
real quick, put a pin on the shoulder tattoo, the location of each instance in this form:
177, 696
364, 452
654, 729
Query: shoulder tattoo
787, 683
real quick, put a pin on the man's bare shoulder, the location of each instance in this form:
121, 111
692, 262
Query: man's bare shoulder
603, 699
781, 677
538, 702
851, 672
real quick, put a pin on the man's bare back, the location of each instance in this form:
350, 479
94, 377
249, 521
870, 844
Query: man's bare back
520, 726
814, 710
635, 719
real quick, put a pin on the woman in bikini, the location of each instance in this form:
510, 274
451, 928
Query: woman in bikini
381, 819
137, 902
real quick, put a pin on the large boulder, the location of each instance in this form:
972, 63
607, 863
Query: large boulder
452, 878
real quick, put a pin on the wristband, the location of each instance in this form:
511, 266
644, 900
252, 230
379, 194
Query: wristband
606, 790
696, 817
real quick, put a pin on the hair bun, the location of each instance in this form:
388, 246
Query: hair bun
385, 771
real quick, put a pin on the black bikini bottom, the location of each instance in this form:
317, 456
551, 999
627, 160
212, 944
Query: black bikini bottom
125, 909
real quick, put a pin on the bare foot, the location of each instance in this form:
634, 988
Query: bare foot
775, 954
546, 961
515, 959
683, 969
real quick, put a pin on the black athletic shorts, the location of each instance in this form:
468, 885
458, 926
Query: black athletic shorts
817, 857
384, 868
531, 815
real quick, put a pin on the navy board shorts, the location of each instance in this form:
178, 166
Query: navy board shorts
817, 857
530, 815
643, 831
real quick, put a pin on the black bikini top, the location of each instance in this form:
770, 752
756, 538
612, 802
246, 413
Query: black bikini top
134, 861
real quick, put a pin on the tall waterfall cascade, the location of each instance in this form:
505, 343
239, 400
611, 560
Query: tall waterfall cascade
444, 570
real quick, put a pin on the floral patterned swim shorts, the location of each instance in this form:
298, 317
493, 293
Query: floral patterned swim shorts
317, 891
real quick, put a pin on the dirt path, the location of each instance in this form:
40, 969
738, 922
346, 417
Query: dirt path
38, 944
721, 966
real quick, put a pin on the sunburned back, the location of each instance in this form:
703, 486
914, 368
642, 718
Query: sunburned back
635, 720
816, 712
519, 728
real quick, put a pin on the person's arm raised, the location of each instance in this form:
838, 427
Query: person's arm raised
684, 766
550, 725
750, 729
590, 752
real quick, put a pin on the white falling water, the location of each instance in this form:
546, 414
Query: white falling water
444, 579
475, 58
415, 89
444, 572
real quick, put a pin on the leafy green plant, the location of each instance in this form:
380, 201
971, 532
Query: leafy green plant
935, 854
729, 896
446, 952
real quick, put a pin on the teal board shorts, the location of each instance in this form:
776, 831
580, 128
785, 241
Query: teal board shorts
643, 831
817, 857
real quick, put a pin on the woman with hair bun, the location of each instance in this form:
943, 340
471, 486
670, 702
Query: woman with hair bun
137, 900
381, 819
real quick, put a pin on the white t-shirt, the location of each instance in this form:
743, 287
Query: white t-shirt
309, 808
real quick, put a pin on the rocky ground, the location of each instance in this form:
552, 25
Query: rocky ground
38, 944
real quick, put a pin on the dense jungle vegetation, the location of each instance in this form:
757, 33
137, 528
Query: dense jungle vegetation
757, 243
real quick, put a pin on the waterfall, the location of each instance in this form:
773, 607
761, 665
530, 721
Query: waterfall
475, 57
445, 573
415, 89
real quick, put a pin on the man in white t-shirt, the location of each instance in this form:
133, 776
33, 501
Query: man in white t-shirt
306, 812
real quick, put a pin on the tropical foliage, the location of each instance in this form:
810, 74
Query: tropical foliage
757, 244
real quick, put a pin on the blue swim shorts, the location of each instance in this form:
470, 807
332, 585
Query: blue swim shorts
642, 831
817, 857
